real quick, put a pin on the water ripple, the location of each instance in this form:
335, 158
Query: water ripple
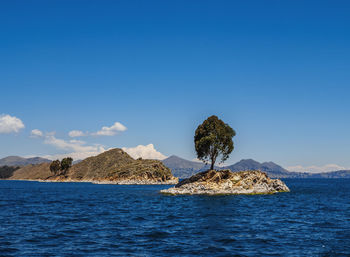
81, 219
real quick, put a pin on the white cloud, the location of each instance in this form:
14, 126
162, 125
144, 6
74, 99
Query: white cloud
77, 133
145, 152
75, 155
110, 131
104, 131
10, 124
78, 149
197, 160
79, 142
75, 145
316, 169
36, 133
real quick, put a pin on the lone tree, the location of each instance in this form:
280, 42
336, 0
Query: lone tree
66, 163
55, 166
213, 138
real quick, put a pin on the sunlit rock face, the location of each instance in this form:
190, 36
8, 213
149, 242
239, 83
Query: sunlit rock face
214, 182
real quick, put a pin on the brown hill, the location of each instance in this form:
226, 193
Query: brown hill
100, 166
113, 166
32, 172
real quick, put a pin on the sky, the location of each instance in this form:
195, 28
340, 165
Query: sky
80, 77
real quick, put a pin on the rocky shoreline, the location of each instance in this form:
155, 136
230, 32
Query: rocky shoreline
224, 182
138, 182
117, 182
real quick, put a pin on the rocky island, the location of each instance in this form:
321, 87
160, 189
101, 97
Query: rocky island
213, 138
111, 167
224, 182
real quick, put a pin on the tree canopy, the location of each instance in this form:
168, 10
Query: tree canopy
62, 166
213, 138
55, 166
66, 163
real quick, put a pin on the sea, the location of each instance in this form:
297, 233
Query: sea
84, 219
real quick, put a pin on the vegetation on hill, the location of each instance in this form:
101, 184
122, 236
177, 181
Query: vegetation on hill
66, 163
7, 171
62, 166
55, 166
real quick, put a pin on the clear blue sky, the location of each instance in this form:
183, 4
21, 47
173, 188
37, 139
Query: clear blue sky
276, 71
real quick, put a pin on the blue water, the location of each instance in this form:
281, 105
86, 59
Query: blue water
82, 219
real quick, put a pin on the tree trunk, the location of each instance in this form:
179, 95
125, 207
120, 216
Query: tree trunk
212, 163
213, 158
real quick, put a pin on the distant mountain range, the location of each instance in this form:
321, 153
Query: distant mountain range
183, 169
20, 161
272, 169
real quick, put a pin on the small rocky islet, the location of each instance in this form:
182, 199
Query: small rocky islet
224, 182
